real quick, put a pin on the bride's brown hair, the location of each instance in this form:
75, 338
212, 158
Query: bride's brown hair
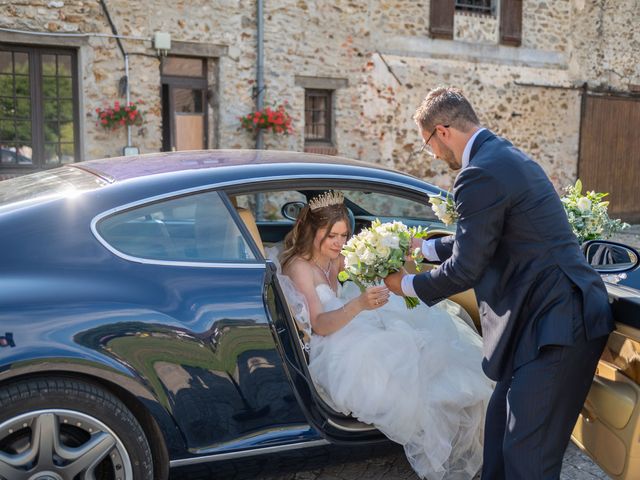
299, 241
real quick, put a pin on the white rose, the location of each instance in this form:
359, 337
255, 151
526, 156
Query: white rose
351, 259
361, 251
368, 236
440, 210
368, 257
383, 251
584, 204
390, 240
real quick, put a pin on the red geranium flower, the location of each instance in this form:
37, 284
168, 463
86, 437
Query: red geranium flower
114, 117
274, 118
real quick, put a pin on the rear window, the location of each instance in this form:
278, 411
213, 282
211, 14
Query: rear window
55, 183
194, 228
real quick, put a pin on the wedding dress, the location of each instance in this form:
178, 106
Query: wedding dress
414, 374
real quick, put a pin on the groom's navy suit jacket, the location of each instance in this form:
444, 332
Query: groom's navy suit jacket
514, 246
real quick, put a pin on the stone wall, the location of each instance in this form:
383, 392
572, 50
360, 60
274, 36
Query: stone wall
380, 50
604, 45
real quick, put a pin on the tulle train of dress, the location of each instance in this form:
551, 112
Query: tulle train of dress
414, 374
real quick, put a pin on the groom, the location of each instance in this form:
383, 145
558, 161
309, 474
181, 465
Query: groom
544, 311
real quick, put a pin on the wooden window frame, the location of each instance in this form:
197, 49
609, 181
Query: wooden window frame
441, 14
328, 95
35, 53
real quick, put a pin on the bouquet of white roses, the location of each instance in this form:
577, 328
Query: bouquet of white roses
588, 215
377, 251
444, 208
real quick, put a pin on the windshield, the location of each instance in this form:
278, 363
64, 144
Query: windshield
59, 182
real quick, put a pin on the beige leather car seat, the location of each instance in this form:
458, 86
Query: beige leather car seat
250, 222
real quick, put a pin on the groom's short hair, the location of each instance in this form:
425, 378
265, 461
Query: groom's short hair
445, 106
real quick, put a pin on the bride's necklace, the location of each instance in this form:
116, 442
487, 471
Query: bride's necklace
324, 271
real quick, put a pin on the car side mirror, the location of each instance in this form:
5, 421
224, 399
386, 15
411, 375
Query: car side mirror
610, 257
291, 210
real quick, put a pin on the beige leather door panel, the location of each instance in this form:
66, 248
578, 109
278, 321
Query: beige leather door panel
608, 429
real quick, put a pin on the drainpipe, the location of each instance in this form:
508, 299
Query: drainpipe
260, 71
126, 75
260, 88
126, 62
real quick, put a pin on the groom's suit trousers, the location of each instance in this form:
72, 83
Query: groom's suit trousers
531, 414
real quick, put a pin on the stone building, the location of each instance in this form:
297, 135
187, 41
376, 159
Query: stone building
560, 78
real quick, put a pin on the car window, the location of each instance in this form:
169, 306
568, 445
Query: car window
385, 205
268, 205
194, 228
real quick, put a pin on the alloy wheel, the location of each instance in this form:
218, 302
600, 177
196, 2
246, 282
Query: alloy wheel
59, 444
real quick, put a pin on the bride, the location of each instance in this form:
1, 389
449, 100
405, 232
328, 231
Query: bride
414, 374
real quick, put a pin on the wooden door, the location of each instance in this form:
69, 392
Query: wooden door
184, 103
609, 159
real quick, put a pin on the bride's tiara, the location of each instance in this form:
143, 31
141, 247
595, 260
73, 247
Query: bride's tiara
326, 200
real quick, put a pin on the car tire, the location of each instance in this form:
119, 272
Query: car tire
62, 427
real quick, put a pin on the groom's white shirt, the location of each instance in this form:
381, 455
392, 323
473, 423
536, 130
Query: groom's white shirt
429, 246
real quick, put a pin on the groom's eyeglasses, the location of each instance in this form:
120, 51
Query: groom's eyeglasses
425, 145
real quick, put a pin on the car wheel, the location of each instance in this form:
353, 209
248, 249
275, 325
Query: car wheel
63, 429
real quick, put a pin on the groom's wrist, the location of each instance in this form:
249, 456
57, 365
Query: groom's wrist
407, 286
429, 250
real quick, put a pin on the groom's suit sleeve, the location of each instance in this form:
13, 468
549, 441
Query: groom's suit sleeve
444, 246
481, 204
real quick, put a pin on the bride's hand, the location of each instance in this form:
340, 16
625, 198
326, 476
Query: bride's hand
374, 297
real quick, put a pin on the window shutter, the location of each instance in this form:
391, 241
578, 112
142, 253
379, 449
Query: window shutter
441, 18
511, 22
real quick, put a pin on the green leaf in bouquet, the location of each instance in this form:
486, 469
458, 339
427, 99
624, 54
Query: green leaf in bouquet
411, 302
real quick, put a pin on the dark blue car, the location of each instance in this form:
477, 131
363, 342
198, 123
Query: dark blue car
142, 326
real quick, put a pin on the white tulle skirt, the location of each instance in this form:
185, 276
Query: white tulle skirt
414, 374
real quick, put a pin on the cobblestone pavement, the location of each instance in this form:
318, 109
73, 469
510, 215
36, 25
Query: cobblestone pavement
385, 462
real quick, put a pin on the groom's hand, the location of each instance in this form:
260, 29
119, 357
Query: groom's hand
393, 282
415, 243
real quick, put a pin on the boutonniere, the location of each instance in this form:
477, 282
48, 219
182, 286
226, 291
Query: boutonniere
444, 207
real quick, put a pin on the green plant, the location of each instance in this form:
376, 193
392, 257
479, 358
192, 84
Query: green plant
588, 214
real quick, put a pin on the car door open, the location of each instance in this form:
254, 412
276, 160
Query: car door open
608, 427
